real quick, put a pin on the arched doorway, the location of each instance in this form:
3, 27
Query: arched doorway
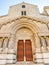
24, 44
24, 29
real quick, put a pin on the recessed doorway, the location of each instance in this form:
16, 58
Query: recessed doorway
24, 50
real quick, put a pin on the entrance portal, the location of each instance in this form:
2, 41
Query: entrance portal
24, 50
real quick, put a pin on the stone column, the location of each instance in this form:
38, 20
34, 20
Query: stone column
0, 42
11, 56
37, 42
33, 43
16, 47
43, 42
5, 42
11, 41
36, 46
46, 41
47, 38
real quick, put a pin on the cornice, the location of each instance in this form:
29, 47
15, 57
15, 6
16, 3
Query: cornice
3, 16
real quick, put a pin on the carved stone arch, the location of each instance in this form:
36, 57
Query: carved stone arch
19, 24
29, 24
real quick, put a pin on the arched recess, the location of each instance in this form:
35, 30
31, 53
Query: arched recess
25, 23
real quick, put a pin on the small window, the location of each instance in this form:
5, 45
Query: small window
23, 6
23, 12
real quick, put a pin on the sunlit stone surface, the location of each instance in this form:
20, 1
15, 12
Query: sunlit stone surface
24, 36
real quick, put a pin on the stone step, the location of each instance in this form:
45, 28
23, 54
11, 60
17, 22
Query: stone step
24, 64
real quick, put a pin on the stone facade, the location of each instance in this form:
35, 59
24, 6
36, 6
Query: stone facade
24, 22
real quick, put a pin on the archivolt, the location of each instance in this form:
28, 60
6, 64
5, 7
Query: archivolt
28, 24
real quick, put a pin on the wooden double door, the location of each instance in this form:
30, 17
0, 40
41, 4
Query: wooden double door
24, 49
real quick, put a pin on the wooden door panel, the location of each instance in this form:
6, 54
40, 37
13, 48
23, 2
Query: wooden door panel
29, 59
20, 50
28, 50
